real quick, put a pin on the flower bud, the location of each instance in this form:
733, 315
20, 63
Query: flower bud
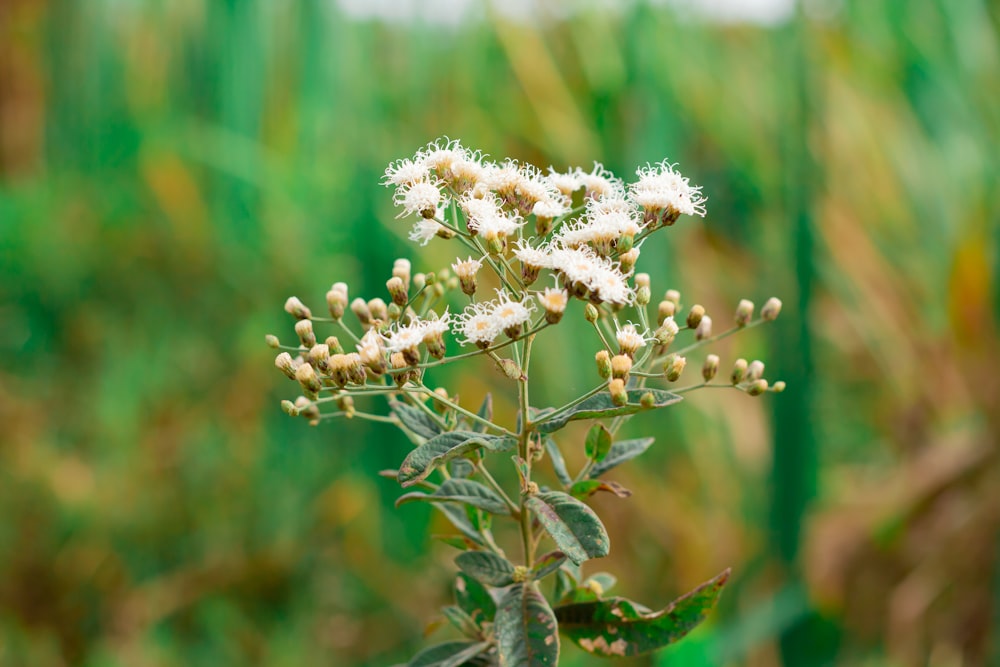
673, 366
319, 357
694, 315
603, 360
297, 309
304, 329
778, 387
378, 309
346, 404
755, 371
307, 409
757, 387
591, 313
744, 312
306, 375
510, 368
285, 364
710, 368
647, 400
401, 270
704, 329
554, 302
666, 332
466, 271
420, 281
643, 295
272, 341
771, 309
394, 311
628, 260
674, 297
642, 280
621, 364
440, 405
360, 309
336, 302
289, 408
624, 244
739, 371
333, 343
664, 310
397, 291
617, 390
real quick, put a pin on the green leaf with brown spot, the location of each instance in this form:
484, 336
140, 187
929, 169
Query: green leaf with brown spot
462, 491
547, 564
574, 526
526, 629
598, 442
448, 654
600, 406
445, 447
487, 567
620, 452
474, 598
588, 487
415, 419
616, 627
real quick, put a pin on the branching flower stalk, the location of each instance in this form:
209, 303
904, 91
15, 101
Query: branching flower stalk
549, 241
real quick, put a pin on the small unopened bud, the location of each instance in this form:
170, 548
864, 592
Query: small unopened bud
520, 574
673, 296
664, 310
755, 370
704, 329
591, 313
495, 244
333, 343
285, 364
401, 270
643, 295
297, 309
739, 371
452, 283
419, 281
744, 312
624, 243
360, 309
642, 280
346, 404
710, 368
603, 360
319, 357
397, 291
532, 489
510, 368
438, 288
304, 329
394, 311
673, 366
440, 406
778, 387
617, 390
628, 260
647, 400
306, 375
621, 364
289, 408
272, 341
771, 309
336, 302
757, 387
666, 332
378, 309
694, 315
466, 271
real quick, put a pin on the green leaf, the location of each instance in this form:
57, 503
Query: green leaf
415, 419
526, 629
449, 654
598, 442
600, 406
600, 581
547, 564
460, 543
460, 491
462, 621
620, 452
574, 526
473, 597
565, 584
588, 487
558, 462
461, 468
444, 447
486, 412
487, 567
458, 519
617, 627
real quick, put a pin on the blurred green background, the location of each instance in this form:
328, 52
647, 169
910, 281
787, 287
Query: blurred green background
171, 171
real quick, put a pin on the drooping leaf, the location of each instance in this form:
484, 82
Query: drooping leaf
620, 452
558, 462
598, 442
458, 519
460, 543
565, 583
600, 406
616, 627
487, 567
588, 487
547, 564
448, 654
462, 491
574, 526
473, 597
415, 419
444, 447
526, 630
461, 468
486, 412
461, 620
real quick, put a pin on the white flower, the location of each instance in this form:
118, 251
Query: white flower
537, 258
629, 339
441, 154
405, 172
422, 198
371, 347
466, 268
567, 183
478, 325
435, 327
487, 218
405, 337
599, 182
510, 315
554, 302
577, 265
610, 285
661, 188
424, 230
549, 208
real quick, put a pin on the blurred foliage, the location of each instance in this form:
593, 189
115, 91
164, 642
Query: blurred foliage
171, 171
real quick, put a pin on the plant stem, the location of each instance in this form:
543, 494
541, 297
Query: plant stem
458, 408
524, 438
514, 511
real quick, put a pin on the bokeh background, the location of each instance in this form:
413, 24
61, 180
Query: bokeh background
171, 171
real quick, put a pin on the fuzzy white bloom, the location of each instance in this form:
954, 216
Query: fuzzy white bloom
577, 265
661, 188
371, 348
441, 154
424, 230
567, 183
599, 182
549, 208
510, 315
405, 172
437, 326
422, 198
504, 178
553, 300
477, 325
629, 339
466, 268
406, 337
534, 257
612, 286
487, 218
